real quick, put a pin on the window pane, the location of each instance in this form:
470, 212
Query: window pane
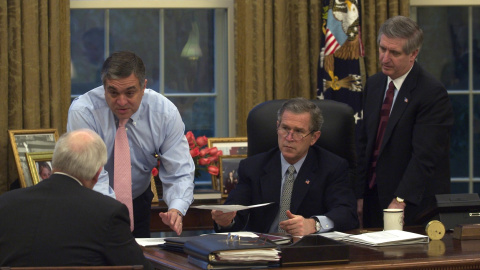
193, 71
459, 140
137, 30
445, 47
87, 48
197, 114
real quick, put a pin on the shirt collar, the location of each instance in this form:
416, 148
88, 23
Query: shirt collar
69, 176
399, 81
285, 164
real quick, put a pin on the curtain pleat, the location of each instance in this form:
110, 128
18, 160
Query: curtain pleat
34, 71
374, 13
277, 48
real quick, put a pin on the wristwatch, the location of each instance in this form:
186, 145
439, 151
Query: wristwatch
400, 200
318, 226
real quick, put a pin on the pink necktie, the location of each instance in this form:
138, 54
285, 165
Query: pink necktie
384, 115
122, 182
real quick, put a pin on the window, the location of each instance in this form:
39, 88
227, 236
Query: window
186, 46
451, 52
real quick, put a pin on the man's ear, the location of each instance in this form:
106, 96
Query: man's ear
315, 137
95, 178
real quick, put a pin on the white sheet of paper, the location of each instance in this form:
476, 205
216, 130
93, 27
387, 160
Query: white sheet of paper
150, 241
241, 234
229, 208
335, 235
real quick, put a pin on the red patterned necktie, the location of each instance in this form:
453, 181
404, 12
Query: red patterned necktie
384, 115
122, 182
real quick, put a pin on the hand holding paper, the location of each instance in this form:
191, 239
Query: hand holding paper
223, 219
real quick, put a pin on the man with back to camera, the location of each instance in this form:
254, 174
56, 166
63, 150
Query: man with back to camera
321, 197
61, 221
409, 164
154, 129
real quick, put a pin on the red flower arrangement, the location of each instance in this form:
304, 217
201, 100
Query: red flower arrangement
203, 157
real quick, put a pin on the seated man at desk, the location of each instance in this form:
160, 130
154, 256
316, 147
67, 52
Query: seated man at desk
61, 221
308, 185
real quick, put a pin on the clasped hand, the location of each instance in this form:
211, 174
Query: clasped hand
297, 225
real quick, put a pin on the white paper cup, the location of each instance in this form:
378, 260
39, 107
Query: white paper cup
392, 219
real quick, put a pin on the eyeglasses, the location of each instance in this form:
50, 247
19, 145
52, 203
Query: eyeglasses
296, 135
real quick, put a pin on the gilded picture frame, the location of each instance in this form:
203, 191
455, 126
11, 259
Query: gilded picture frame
229, 173
39, 163
230, 146
30, 141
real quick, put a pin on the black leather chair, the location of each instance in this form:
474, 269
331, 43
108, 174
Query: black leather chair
338, 130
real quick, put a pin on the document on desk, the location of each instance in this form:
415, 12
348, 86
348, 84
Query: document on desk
387, 238
150, 241
228, 207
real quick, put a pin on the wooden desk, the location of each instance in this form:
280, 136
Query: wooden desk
447, 253
196, 219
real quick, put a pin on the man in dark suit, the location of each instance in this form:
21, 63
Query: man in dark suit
321, 198
61, 221
406, 168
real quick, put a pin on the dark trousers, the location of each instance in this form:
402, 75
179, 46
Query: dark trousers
372, 211
141, 214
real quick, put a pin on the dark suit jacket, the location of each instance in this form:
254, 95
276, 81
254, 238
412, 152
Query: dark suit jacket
413, 161
321, 188
58, 222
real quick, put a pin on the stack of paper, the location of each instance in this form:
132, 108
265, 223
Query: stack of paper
387, 238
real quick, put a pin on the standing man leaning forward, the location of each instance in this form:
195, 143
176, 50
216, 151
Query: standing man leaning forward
154, 128
412, 161
321, 199
61, 221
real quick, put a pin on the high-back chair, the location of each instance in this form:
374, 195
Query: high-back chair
338, 130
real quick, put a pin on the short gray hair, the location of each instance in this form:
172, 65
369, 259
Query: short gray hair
80, 153
121, 65
302, 105
404, 28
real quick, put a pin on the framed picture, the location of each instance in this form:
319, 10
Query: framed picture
230, 147
30, 141
40, 165
229, 173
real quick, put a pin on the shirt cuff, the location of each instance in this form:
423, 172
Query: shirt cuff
180, 205
325, 222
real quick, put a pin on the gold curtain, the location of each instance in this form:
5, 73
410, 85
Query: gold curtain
34, 71
277, 48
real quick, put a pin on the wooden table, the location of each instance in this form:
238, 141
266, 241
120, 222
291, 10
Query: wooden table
447, 253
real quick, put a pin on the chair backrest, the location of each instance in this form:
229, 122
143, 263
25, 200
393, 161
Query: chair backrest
338, 130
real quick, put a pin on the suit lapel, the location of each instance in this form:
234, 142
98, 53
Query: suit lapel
271, 181
376, 93
401, 103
